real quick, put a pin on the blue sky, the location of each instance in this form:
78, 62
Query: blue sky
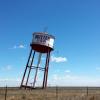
76, 27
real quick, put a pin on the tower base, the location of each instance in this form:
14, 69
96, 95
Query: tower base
30, 66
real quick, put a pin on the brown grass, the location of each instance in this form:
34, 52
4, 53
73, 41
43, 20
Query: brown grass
64, 93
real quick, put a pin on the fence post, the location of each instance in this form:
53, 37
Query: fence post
6, 92
56, 93
87, 91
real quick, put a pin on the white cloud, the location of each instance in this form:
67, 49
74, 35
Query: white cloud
9, 67
57, 80
58, 59
6, 68
98, 68
67, 71
9, 79
14, 47
21, 46
9, 82
57, 71
56, 77
72, 80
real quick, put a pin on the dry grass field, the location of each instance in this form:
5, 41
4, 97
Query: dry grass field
59, 93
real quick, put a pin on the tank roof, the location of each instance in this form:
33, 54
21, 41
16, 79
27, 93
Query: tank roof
45, 33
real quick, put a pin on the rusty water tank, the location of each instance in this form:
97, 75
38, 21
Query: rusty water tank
42, 42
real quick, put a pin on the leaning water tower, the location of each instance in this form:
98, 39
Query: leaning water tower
42, 44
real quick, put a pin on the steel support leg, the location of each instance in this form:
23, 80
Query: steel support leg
39, 60
46, 70
30, 68
26, 68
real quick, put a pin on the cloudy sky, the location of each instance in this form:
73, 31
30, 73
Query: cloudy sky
76, 27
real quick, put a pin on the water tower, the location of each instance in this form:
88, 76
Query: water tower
42, 43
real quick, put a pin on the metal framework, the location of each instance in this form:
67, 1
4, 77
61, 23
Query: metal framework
29, 67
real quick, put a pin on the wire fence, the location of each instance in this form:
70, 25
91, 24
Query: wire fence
51, 93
